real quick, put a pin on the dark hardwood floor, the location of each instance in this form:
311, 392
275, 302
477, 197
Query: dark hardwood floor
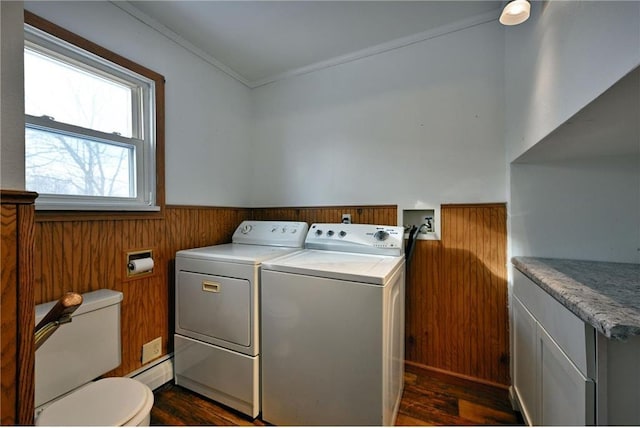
430, 398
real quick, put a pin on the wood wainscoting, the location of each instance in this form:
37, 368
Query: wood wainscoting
89, 254
456, 288
17, 318
375, 214
457, 315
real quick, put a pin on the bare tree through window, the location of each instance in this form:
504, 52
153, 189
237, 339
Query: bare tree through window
67, 164
60, 164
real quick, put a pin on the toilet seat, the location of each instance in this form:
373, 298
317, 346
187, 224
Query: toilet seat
113, 401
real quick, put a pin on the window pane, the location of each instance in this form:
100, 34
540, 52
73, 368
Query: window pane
75, 96
60, 164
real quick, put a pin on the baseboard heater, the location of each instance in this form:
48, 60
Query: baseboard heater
156, 373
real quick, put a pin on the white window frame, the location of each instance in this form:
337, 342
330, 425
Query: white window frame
143, 132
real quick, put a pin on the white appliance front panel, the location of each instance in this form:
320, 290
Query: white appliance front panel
365, 268
214, 306
356, 238
322, 343
332, 350
218, 373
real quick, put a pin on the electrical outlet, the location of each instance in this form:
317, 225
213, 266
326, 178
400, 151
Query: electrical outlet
346, 218
151, 350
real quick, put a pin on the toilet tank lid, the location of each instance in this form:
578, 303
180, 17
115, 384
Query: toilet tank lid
90, 302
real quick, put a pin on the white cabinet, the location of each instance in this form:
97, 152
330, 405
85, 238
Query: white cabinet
553, 359
567, 397
524, 360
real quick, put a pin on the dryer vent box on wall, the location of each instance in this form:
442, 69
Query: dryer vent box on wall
426, 220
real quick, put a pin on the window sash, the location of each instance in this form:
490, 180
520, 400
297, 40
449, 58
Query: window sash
143, 127
48, 126
144, 200
45, 123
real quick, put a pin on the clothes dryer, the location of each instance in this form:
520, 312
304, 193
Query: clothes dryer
333, 328
217, 346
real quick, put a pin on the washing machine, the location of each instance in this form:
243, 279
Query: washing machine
217, 331
333, 328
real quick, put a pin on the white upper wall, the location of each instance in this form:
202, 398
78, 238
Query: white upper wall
562, 58
11, 96
207, 112
575, 191
415, 126
586, 209
576, 194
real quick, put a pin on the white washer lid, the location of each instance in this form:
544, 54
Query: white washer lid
107, 402
363, 268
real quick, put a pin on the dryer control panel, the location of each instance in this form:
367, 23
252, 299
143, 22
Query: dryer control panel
356, 238
274, 233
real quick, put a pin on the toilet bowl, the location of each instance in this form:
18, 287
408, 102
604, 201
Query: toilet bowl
75, 354
112, 401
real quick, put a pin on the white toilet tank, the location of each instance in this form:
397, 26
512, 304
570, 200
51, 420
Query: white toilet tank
82, 350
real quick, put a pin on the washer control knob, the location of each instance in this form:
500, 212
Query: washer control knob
342, 234
294, 230
284, 230
381, 235
330, 233
246, 229
318, 232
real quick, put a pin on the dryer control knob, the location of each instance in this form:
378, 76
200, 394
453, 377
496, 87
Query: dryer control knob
246, 229
330, 233
342, 233
318, 232
381, 235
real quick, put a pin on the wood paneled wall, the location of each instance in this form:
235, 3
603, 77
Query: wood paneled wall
88, 255
17, 322
456, 287
457, 316
378, 214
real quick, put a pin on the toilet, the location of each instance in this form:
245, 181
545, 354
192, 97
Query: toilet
66, 393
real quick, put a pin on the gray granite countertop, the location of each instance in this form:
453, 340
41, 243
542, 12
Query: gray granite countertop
605, 295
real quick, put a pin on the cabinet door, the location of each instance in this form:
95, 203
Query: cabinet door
524, 361
566, 396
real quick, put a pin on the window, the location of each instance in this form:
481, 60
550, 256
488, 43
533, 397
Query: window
90, 127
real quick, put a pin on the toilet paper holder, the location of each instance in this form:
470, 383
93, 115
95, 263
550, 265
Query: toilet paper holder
139, 263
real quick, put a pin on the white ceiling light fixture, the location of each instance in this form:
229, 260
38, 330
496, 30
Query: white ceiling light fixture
515, 12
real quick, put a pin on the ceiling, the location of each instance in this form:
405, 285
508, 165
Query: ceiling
262, 41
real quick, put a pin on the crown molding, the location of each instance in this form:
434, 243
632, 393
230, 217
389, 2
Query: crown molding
383, 47
179, 40
332, 62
